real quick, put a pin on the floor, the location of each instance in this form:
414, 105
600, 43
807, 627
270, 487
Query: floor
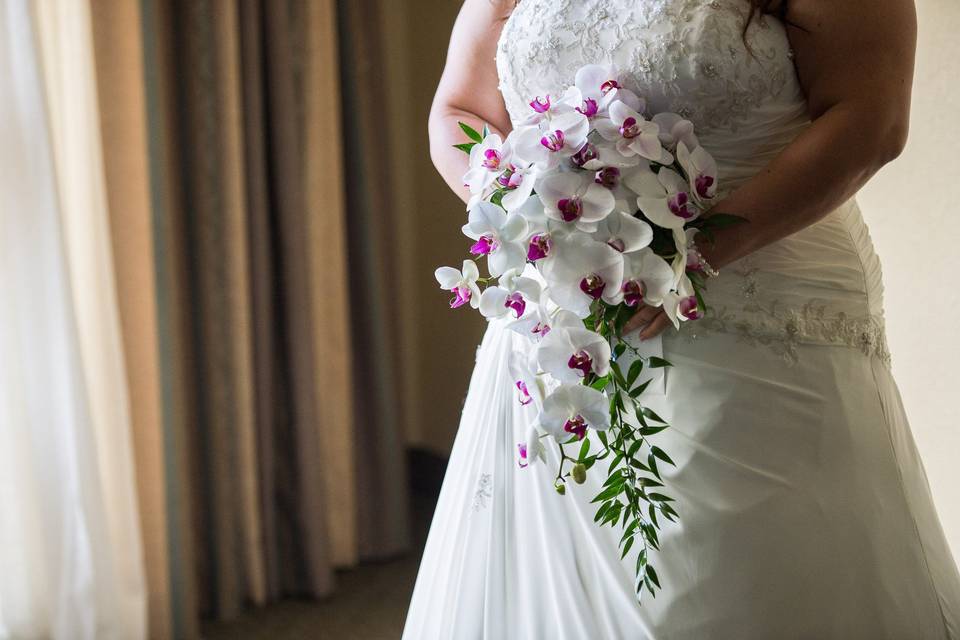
370, 602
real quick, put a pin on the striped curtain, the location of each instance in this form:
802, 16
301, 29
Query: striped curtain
254, 228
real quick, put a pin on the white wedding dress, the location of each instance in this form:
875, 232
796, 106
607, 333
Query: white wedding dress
804, 508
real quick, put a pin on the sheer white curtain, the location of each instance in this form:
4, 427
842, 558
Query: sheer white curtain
70, 564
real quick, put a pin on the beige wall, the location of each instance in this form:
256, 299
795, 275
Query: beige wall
440, 342
914, 215
910, 206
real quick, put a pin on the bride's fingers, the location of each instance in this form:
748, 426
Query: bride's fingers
644, 315
656, 326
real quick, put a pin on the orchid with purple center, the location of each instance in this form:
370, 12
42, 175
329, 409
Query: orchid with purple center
462, 283
633, 135
664, 197
576, 199
553, 140
498, 235
702, 170
512, 295
624, 232
573, 408
488, 160
570, 354
580, 271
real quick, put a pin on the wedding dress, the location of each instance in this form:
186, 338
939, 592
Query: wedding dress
804, 507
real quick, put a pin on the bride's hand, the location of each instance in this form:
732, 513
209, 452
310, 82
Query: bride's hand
652, 319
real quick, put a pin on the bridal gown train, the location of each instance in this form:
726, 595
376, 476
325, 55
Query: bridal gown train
804, 508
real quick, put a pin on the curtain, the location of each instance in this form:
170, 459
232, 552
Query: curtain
118, 44
70, 562
283, 456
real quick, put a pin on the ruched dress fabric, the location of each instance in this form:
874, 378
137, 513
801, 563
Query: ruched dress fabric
804, 507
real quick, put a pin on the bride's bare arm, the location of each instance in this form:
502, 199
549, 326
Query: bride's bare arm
468, 90
855, 61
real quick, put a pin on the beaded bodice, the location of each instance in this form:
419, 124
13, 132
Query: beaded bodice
821, 285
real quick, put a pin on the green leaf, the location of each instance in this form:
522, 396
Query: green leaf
653, 575
626, 548
472, 133
619, 349
649, 413
660, 453
634, 372
659, 497
651, 431
466, 147
658, 363
584, 450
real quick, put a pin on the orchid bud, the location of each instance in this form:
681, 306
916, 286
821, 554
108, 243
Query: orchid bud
561, 488
579, 473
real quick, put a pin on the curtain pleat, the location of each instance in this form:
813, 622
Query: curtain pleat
383, 507
120, 78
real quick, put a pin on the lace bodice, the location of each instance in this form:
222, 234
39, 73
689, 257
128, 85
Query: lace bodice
821, 285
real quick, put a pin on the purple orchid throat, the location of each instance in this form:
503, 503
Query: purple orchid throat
525, 397
590, 108
630, 128
539, 247
570, 208
492, 159
554, 141
516, 302
588, 152
582, 362
522, 451
703, 184
577, 426
485, 245
608, 86
680, 206
593, 286
690, 309
462, 297
540, 329
632, 293
510, 178
541, 105
608, 177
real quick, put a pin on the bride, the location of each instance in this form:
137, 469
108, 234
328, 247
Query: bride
804, 507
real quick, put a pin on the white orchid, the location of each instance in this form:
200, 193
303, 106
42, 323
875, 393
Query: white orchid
570, 354
624, 232
514, 293
702, 169
572, 409
596, 87
488, 160
675, 129
664, 197
542, 319
600, 154
575, 198
462, 283
682, 305
647, 279
582, 270
498, 236
551, 141
531, 449
633, 134
518, 180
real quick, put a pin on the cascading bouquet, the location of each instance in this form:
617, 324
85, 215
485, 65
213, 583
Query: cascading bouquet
586, 211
